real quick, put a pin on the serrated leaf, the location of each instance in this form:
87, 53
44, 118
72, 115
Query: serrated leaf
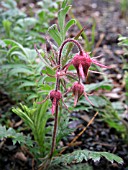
55, 34
16, 137
112, 157
80, 155
95, 156
3, 132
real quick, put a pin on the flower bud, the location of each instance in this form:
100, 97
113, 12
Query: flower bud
82, 64
78, 90
55, 96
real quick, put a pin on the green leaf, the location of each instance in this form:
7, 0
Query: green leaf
32, 96
55, 34
7, 26
16, 71
118, 105
71, 44
27, 84
13, 49
16, 137
64, 3
50, 71
40, 118
23, 115
46, 87
95, 156
2, 44
32, 54
80, 155
19, 54
49, 79
27, 22
14, 43
95, 86
69, 24
63, 128
112, 157
44, 62
61, 19
11, 66
98, 101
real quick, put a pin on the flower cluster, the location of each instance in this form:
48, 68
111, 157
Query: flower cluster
81, 62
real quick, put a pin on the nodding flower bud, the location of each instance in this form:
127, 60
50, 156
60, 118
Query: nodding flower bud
78, 90
82, 62
55, 96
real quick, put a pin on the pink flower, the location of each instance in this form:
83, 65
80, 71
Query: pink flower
82, 64
55, 96
78, 91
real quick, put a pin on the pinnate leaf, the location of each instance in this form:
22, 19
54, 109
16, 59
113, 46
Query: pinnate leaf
80, 155
16, 137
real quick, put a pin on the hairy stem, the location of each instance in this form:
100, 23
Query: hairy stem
57, 88
65, 42
54, 132
57, 82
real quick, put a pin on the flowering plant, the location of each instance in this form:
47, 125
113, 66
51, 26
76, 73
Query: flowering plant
82, 62
56, 77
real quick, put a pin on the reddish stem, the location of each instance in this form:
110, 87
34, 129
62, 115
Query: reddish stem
65, 42
54, 131
57, 88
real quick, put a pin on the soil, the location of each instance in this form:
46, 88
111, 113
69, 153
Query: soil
99, 136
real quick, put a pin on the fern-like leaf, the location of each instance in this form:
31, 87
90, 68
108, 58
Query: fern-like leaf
81, 155
16, 137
